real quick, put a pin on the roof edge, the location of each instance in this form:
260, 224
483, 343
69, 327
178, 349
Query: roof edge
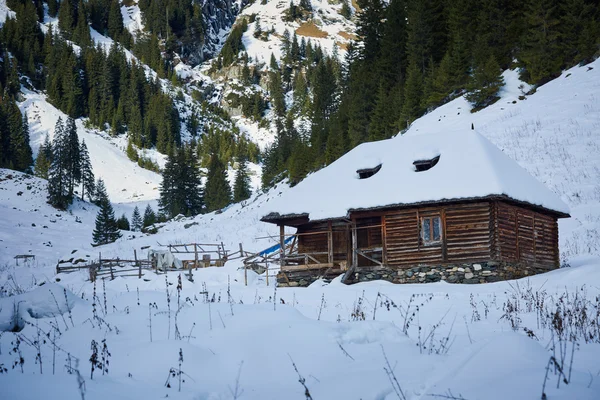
277, 218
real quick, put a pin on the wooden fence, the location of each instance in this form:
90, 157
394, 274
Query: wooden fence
203, 254
112, 267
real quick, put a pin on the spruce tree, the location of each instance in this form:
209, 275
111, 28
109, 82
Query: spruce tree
442, 83
115, 20
22, 157
73, 156
241, 186
411, 108
43, 159
149, 216
541, 44
67, 17
106, 230
485, 83
81, 34
88, 185
370, 28
58, 174
136, 220
123, 223
381, 126
180, 189
217, 193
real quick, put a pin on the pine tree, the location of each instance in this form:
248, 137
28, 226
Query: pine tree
217, 193
180, 189
43, 159
115, 20
370, 28
541, 44
136, 220
22, 157
58, 174
73, 156
411, 108
81, 34
484, 85
381, 126
241, 186
123, 223
149, 216
88, 185
67, 17
442, 83
106, 230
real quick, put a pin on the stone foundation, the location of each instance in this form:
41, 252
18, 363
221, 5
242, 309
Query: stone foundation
482, 272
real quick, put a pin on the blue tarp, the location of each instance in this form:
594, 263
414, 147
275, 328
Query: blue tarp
274, 248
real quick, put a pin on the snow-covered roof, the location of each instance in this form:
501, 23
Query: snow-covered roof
469, 167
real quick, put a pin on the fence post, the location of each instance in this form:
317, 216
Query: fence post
245, 274
112, 273
190, 277
139, 265
195, 257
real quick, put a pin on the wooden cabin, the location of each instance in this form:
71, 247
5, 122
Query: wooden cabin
431, 207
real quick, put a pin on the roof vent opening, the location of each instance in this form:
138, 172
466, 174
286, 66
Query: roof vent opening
424, 165
368, 172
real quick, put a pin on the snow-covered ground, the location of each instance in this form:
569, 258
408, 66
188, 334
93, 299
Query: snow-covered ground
488, 341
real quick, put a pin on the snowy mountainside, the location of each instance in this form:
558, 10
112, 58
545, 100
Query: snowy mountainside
125, 180
323, 26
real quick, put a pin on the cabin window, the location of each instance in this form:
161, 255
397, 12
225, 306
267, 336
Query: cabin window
424, 165
431, 230
368, 172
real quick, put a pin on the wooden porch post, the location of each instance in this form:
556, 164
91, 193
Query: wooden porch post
354, 245
281, 245
384, 241
329, 243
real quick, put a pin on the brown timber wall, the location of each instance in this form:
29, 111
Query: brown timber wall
466, 235
468, 232
526, 236
313, 239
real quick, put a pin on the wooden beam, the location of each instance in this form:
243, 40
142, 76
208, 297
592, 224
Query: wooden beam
383, 241
443, 234
354, 245
329, 243
281, 245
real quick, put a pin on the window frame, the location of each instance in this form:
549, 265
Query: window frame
431, 219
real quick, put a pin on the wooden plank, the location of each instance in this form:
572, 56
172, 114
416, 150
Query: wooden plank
330, 244
307, 267
354, 245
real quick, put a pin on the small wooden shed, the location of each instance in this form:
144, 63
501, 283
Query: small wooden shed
426, 208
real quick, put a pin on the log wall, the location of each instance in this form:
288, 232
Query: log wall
471, 233
465, 230
525, 236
